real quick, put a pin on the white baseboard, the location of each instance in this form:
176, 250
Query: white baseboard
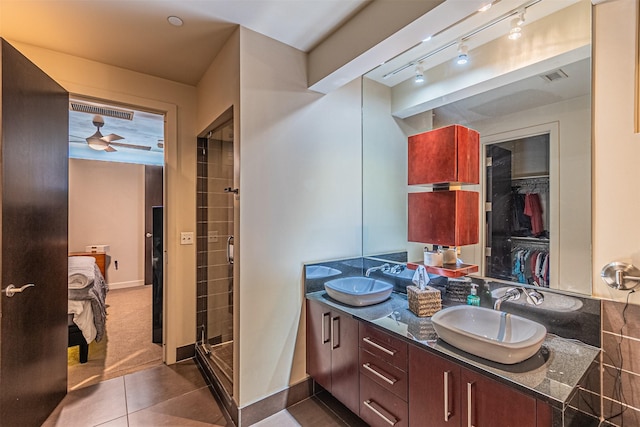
130, 284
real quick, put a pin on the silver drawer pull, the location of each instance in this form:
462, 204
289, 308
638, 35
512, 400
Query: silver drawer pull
368, 367
368, 404
379, 347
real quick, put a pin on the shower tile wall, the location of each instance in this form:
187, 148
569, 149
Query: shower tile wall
201, 240
215, 222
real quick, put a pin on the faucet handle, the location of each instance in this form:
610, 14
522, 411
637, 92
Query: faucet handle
512, 294
533, 297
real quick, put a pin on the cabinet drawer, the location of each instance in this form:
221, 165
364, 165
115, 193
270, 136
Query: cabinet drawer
383, 345
383, 373
380, 407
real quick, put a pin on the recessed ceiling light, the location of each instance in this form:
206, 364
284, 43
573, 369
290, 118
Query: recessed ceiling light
175, 21
426, 39
485, 7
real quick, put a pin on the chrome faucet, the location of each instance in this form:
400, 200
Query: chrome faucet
384, 267
512, 294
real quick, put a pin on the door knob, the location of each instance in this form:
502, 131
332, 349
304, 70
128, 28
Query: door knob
149, 235
12, 290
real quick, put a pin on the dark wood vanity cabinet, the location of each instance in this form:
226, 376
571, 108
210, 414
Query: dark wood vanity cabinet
383, 378
387, 381
444, 394
332, 353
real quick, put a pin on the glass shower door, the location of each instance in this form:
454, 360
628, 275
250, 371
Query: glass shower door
215, 259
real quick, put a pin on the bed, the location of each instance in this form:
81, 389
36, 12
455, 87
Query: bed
87, 291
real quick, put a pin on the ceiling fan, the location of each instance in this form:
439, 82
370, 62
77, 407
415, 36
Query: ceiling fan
105, 143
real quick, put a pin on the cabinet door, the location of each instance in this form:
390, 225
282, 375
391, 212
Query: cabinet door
434, 390
344, 360
319, 343
489, 403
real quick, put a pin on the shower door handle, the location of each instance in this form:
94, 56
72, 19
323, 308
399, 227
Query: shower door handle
230, 250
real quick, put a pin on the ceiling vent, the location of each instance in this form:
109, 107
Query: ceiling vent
554, 75
85, 107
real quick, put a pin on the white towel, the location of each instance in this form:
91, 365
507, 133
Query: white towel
81, 271
420, 277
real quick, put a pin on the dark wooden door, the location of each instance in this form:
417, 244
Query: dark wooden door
34, 200
434, 390
319, 343
152, 197
499, 218
490, 403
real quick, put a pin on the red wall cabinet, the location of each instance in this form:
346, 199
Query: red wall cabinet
446, 155
448, 218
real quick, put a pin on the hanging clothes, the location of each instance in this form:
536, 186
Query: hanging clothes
533, 209
521, 223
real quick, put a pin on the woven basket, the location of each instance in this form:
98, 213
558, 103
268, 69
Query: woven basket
424, 303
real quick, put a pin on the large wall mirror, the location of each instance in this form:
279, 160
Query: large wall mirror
529, 97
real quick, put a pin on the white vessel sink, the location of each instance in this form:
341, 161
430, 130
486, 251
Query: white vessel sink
320, 272
358, 291
491, 334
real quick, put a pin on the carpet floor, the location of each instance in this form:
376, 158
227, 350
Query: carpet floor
126, 346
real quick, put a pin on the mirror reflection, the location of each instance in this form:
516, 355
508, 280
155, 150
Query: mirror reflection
529, 97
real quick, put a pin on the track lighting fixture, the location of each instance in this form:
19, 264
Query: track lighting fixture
419, 74
463, 56
516, 26
516, 30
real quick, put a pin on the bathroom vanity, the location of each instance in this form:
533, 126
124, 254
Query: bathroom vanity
389, 367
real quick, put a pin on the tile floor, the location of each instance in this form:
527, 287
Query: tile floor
174, 395
178, 396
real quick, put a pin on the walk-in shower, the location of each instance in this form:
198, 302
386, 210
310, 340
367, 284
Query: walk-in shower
215, 206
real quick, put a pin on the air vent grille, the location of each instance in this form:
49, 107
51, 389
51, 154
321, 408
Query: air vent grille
84, 107
554, 75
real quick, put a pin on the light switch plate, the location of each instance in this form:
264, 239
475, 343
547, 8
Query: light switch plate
186, 238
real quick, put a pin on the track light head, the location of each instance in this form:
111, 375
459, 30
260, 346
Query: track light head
419, 78
516, 30
463, 55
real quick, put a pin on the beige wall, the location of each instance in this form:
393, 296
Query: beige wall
219, 90
92, 79
106, 206
616, 227
300, 199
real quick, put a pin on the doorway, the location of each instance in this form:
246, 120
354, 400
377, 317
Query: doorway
215, 206
518, 206
116, 167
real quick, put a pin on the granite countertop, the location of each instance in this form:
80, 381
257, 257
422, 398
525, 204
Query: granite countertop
552, 375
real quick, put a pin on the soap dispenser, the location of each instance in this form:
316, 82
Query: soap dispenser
473, 298
486, 299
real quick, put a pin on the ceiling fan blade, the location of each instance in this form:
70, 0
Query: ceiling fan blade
97, 143
112, 137
135, 147
110, 149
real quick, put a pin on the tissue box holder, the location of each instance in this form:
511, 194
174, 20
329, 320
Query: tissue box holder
424, 303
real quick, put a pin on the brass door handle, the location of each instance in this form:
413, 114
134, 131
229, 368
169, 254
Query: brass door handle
11, 290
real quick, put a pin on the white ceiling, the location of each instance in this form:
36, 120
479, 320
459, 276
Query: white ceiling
135, 34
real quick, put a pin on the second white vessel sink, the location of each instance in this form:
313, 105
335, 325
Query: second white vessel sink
358, 291
491, 334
